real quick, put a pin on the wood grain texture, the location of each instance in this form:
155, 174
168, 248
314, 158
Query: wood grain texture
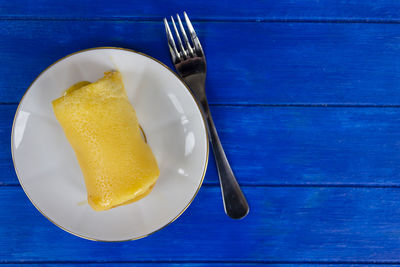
248, 63
290, 145
209, 10
285, 224
308, 114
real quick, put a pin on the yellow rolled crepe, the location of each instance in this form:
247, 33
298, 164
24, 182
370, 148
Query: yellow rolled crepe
102, 128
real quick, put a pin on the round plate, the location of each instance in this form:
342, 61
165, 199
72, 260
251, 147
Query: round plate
48, 170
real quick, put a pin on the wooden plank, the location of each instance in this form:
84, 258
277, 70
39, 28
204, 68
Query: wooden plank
284, 224
210, 10
248, 63
290, 145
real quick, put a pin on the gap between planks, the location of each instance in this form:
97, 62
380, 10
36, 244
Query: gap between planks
281, 105
223, 20
208, 262
244, 185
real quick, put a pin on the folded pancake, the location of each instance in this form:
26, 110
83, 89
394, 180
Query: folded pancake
102, 128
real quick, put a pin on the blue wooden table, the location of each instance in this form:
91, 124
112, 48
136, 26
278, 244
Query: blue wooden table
305, 95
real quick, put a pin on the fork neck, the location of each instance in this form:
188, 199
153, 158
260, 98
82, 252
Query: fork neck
197, 86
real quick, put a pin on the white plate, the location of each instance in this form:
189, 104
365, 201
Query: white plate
48, 170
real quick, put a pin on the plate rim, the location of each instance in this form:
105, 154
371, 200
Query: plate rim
187, 88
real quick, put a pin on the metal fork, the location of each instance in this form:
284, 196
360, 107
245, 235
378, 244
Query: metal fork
190, 63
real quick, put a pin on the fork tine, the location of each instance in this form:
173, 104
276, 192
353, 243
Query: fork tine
189, 47
179, 37
193, 35
171, 43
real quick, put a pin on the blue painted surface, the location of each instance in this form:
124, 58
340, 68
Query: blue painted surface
305, 95
237, 10
294, 224
248, 62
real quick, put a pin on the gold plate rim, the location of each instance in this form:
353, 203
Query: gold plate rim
177, 76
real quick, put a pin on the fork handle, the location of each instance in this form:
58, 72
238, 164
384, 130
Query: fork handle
235, 203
